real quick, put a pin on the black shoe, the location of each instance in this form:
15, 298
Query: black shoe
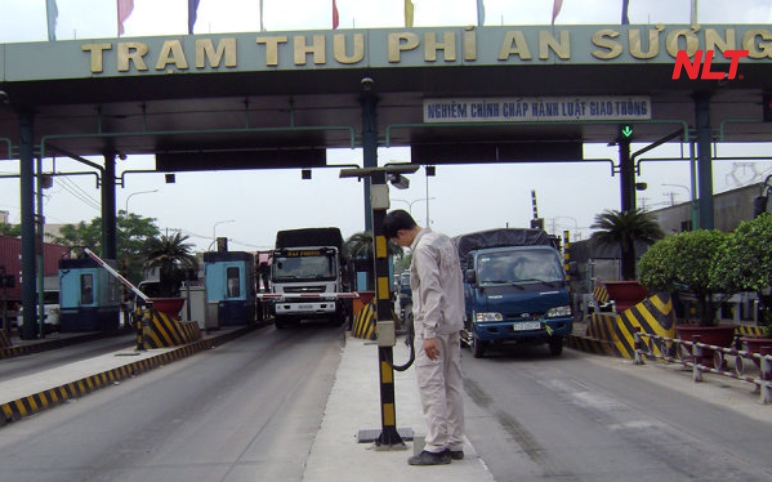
455, 454
430, 458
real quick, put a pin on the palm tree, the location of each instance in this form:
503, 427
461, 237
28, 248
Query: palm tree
624, 229
360, 245
173, 258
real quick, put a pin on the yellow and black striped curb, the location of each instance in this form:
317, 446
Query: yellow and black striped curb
31, 404
614, 333
11, 351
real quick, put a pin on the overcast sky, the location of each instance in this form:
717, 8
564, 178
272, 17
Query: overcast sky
249, 207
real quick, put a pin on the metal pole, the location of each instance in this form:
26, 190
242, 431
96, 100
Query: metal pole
627, 176
109, 235
39, 247
369, 103
28, 239
389, 436
705, 159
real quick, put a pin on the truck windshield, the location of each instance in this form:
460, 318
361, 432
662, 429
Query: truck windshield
519, 267
296, 268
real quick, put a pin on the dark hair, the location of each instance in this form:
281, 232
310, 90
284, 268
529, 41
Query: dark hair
396, 220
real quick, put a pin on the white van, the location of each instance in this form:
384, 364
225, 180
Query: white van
50, 312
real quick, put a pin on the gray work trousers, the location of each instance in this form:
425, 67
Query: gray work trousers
441, 386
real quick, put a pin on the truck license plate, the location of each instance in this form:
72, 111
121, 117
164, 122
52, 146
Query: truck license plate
306, 306
526, 325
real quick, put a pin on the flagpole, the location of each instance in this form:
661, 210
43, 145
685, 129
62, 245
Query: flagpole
262, 29
693, 16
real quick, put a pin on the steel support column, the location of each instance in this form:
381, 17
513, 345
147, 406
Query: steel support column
28, 240
109, 239
704, 160
627, 176
369, 103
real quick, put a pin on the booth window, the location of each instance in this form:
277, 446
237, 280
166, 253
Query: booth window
86, 289
234, 282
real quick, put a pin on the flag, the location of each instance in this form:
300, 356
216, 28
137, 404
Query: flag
53, 13
335, 17
124, 10
192, 14
625, 18
556, 6
262, 29
480, 13
693, 15
409, 13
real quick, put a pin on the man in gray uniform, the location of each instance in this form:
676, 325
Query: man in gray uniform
438, 311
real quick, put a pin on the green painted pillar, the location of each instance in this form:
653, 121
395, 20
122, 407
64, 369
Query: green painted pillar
109, 237
369, 103
704, 159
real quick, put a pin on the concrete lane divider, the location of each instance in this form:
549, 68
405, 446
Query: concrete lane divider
613, 333
37, 402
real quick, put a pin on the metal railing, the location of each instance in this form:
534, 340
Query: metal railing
755, 368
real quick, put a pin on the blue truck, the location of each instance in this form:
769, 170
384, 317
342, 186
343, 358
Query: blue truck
515, 289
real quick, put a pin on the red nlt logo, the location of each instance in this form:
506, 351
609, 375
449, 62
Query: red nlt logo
683, 62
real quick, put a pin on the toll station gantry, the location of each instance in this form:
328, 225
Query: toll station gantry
269, 100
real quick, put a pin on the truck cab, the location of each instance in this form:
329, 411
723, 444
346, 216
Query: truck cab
514, 293
307, 277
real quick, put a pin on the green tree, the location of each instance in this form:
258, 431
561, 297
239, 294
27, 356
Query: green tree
683, 261
13, 230
624, 229
746, 263
173, 258
131, 233
81, 235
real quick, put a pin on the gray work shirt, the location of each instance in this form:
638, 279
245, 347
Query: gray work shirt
437, 285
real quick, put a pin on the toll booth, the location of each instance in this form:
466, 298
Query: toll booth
229, 278
89, 297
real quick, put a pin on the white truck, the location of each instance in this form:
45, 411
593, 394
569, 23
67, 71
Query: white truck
308, 278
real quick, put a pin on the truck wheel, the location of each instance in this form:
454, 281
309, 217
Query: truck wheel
477, 346
280, 322
556, 345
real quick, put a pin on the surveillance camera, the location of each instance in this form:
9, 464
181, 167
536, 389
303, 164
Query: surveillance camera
3, 96
367, 83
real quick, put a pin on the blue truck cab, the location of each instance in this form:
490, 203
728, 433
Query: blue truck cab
515, 289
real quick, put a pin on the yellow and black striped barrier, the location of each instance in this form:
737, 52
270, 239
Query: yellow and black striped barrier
165, 331
4, 341
742, 330
365, 322
613, 333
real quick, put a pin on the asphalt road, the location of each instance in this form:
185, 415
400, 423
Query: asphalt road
247, 408
250, 409
581, 417
28, 364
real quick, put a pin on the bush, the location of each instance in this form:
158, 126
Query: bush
746, 262
683, 262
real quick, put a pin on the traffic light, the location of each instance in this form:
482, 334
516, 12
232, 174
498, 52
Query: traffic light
767, 107
626, 132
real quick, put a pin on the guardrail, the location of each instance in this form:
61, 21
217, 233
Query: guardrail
755, 368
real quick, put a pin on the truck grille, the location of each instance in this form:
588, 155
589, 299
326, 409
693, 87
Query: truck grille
304, 289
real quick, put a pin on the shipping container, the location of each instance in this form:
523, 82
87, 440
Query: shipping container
10, 258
